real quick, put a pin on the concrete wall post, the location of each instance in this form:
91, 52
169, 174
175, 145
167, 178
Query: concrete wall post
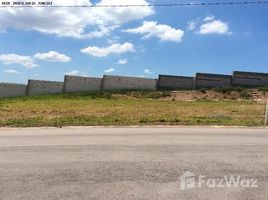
266, 114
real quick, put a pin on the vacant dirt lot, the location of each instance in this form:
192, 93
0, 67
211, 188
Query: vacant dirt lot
135, 108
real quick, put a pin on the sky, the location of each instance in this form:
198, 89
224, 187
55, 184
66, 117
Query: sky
47, 43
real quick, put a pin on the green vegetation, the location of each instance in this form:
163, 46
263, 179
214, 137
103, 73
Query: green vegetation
226, 90
263, 89
125, 108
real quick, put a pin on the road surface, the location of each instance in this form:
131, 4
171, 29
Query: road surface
133, 163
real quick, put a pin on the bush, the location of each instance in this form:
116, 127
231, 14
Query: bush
263, 89
245, 94
203, 90
226, 90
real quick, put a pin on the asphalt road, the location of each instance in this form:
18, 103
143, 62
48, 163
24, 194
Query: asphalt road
133, 163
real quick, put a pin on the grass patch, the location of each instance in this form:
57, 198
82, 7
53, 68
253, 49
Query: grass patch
112, 108
263, 89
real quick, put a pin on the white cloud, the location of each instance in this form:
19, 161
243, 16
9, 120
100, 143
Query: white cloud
11, 71
29, 61
121, 15
25, 61
209, 18
112, 49
73, 73
162, 31
101, 32
52, 56
214, 27
73, 22
209, 25
122, 61
110, 70
147, 71
191, 25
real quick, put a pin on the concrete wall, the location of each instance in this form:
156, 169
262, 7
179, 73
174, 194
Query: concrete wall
250, 79
36, 87
204, 80
80, 84
175, 82
77, 84
127, 83
12, 90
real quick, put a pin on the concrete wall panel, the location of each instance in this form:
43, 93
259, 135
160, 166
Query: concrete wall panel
80, 84
128, 83
250, 79
204, 80
37, 87
12, 90
175, 82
